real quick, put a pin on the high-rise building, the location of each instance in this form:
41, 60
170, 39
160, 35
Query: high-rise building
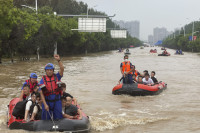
133, 27
150, 39
159, 34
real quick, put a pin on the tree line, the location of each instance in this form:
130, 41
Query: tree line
22, 31
179, 41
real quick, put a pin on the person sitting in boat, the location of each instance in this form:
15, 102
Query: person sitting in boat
32, 82
126, 70
180, 51
164, 52
127, 50
69, 110
146, 80
144, 72
26, 92
139, 81
37, 111
177, 51
134, 78
65, 94
30, 106
50, 91
135, 71
153, 73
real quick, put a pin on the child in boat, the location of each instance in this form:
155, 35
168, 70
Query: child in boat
69, 110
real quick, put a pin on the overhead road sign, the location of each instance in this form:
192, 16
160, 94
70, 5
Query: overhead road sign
91, 25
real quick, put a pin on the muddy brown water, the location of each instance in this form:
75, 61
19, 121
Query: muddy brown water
91, 78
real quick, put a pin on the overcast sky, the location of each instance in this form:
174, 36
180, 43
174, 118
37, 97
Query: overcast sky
170, 14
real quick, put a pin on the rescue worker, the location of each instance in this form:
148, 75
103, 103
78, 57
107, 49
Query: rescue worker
126, 70
31, 83
50, 91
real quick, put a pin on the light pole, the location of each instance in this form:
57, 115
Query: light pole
88, 9
192, 31
36, 6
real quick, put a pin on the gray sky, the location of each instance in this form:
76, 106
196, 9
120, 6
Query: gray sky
170, 14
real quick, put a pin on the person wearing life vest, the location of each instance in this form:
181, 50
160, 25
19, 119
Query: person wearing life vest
135, 72
32, 83
50, 91
126, 70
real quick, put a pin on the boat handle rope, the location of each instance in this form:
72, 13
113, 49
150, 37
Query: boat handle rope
51, 116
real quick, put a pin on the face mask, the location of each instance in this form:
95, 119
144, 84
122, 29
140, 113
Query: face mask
126, 60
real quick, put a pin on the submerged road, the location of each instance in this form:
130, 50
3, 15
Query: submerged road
91, 78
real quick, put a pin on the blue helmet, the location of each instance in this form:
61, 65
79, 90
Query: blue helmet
33, 75
49, 66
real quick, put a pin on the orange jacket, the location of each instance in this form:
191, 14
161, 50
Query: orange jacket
126, 67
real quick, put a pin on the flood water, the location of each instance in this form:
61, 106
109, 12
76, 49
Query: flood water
91, 78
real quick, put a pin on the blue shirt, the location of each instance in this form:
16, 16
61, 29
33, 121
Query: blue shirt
57, 75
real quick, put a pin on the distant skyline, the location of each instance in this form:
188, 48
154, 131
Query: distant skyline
170, 14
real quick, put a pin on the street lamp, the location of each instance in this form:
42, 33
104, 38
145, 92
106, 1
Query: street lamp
88, 9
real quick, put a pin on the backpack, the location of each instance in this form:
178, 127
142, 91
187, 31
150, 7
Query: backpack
19, 109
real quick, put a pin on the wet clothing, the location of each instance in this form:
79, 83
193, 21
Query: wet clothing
53, 99
154, 79
128, 79
71, 110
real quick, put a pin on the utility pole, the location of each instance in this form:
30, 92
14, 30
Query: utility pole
193, 31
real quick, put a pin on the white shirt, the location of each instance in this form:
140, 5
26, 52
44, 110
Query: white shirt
28, 97
150, 81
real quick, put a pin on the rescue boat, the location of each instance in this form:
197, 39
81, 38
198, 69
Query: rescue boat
127, 53
153, 51
168, 54
136, 89
69, 125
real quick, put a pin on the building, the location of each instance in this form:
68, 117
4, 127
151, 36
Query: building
133, 27
159, 34
150, 39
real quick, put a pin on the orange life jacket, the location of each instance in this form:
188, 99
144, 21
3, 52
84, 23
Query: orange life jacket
51, 85
136, 73
126, 67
